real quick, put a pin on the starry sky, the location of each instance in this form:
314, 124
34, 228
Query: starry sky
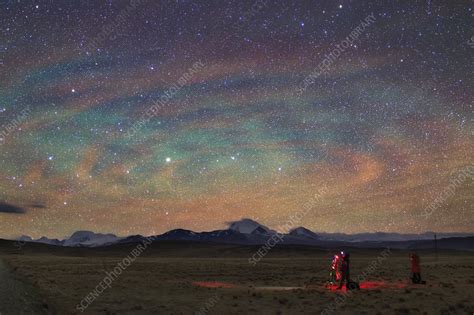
231, 135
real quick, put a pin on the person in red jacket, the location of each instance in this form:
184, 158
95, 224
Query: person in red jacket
335, 274
415, 268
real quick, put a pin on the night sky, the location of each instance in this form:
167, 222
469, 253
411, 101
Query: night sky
137, 117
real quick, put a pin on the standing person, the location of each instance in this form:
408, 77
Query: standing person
415, 268
345, 270
335, 274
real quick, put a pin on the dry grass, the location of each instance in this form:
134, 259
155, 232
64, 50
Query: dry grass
154, 285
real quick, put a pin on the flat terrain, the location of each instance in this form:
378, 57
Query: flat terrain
187, 278
17, 297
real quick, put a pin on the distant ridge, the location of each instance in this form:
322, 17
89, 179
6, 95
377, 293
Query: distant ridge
250, 232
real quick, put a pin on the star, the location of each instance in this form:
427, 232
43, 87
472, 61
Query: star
210, 114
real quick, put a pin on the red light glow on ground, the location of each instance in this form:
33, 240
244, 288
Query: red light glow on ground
213, 284
366, 285
373, 285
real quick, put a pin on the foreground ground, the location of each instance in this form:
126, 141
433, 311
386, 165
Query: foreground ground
18, 297
285, 282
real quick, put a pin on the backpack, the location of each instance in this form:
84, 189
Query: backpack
352, 285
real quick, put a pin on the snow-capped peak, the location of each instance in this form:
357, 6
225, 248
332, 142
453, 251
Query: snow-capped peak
88, 238
25, 238
249, 226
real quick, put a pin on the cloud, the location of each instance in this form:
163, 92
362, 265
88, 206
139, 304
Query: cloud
8, 208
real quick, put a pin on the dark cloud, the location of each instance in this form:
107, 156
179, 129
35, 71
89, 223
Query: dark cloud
8, 208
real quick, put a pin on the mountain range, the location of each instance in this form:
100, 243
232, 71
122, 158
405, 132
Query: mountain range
250, 232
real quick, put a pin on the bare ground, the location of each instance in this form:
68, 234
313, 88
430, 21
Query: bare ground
276, 285
17, 297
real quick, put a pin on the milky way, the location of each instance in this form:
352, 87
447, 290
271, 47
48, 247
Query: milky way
136, 117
